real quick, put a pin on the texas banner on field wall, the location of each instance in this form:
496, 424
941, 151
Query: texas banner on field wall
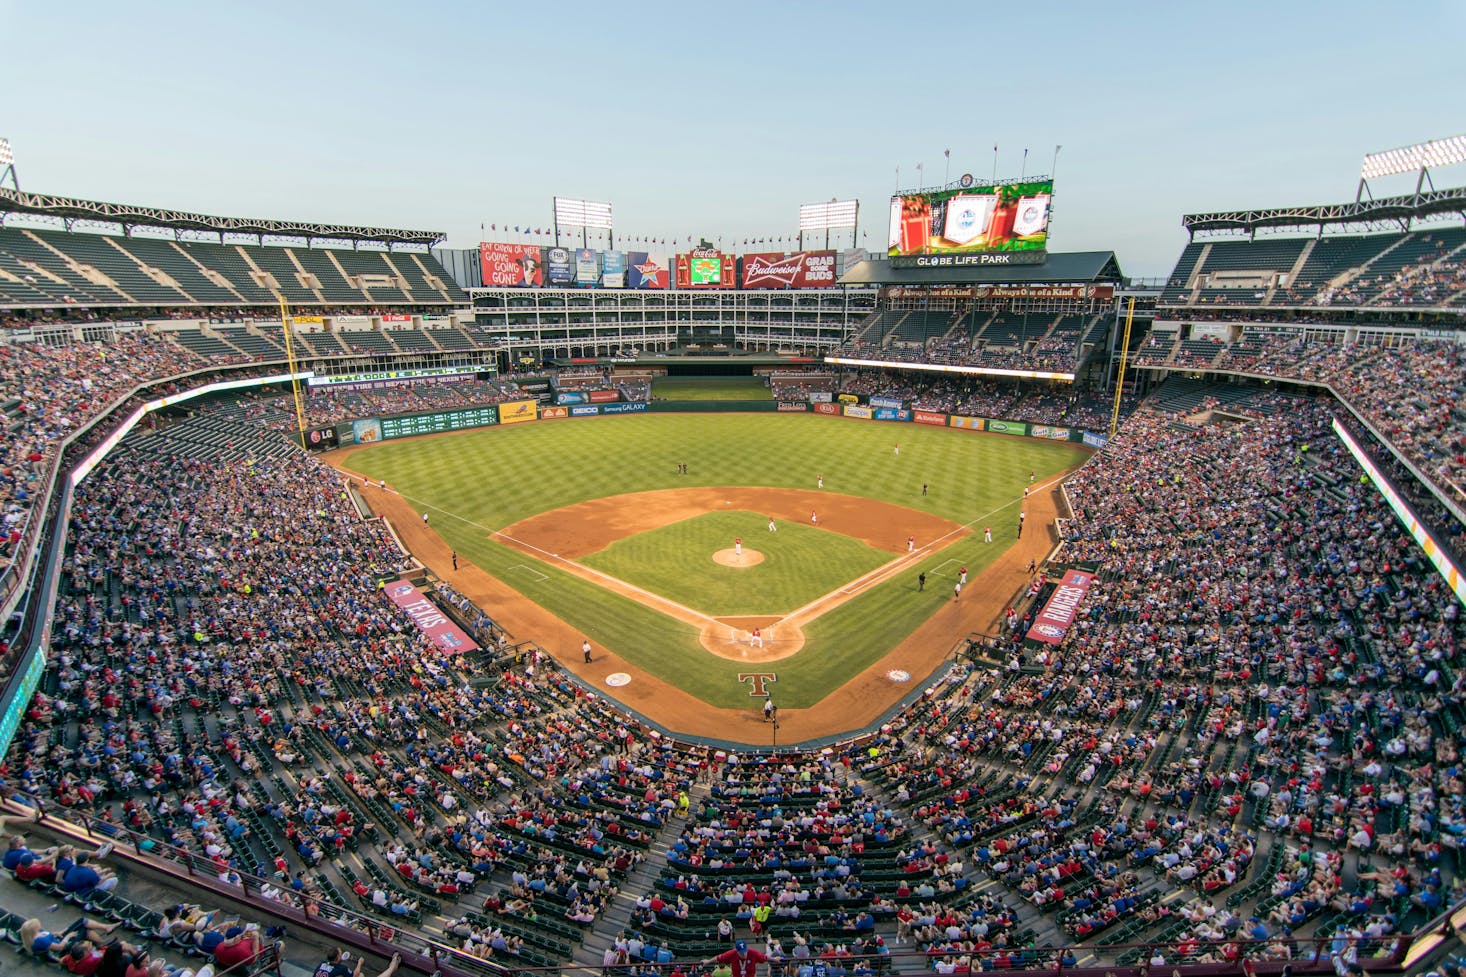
429, 618
518, 411
1053, 621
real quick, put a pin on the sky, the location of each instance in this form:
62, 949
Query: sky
717, 120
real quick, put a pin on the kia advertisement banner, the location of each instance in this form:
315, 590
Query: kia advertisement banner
559, 267
645, 271
832, 409
1058, 614
613, 269
515, 265
804, 269
587, 267
429, 618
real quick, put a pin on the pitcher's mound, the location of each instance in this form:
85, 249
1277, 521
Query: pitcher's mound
729, 558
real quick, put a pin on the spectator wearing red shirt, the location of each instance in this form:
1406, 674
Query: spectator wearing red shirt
743, 960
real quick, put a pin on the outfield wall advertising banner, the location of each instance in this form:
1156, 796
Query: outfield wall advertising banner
1052, 433
321, 438
848, 399
803, 269
603, 396
613, 269
569, 397
886, 402
832, 409
1095, 440
518, 411
429, 618
793, 407
514, 265
587, 267
967, 423
546, 413
645, 271
1053, 621
585, 411
891, 414
929, 417
820, 396
858, 410
559, 267
635, 407
1007, 427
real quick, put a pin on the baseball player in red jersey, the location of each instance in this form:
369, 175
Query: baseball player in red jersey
910, 544
738, 546
756, 639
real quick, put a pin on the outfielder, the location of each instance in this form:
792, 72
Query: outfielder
987, 534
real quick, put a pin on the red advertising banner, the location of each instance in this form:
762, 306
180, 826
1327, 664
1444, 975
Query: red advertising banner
392, 317
930, 417
429, 618
549, 412
705, 268
805, 269
519, 265
603, 396
1053, 621
827, 408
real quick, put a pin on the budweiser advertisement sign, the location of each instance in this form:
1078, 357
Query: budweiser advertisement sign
1058, 614
1097, 292
806, 269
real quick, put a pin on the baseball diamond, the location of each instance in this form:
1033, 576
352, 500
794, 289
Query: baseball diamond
627, 551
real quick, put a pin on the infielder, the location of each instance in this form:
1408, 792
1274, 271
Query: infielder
814, 517
819, 481
910, 544
755, 638
772, 528
963, 578
738, 547
987, 534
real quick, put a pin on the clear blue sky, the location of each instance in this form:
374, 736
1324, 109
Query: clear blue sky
719, 119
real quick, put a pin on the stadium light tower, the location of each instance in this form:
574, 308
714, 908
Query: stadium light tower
583, 214
1410, 159
826, 216
7, 164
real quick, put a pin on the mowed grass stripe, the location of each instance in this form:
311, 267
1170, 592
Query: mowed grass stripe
484, 480
800, 563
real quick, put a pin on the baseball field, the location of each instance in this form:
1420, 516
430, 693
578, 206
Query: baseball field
592, 522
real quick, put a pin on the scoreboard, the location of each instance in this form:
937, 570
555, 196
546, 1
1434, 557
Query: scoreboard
452, 420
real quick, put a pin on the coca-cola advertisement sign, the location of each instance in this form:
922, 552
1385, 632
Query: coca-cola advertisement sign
804, 269
1053, 621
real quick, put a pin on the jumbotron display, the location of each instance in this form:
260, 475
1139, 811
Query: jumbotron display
1004, 223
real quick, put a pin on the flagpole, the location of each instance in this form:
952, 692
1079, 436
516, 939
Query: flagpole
1024, 171
995, 164
947, 170
1055, 165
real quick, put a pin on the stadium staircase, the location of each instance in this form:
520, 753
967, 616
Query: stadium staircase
1293, 272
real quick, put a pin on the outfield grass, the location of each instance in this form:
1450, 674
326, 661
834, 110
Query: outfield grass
479, 481
800, 563
710, 388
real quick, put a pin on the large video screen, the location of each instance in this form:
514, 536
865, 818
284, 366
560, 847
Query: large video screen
706, 268
706, 271
1007, 218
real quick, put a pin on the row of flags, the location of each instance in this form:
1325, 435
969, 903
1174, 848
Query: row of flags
572, 235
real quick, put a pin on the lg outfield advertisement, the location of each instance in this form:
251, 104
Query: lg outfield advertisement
1006, 217
515, 265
